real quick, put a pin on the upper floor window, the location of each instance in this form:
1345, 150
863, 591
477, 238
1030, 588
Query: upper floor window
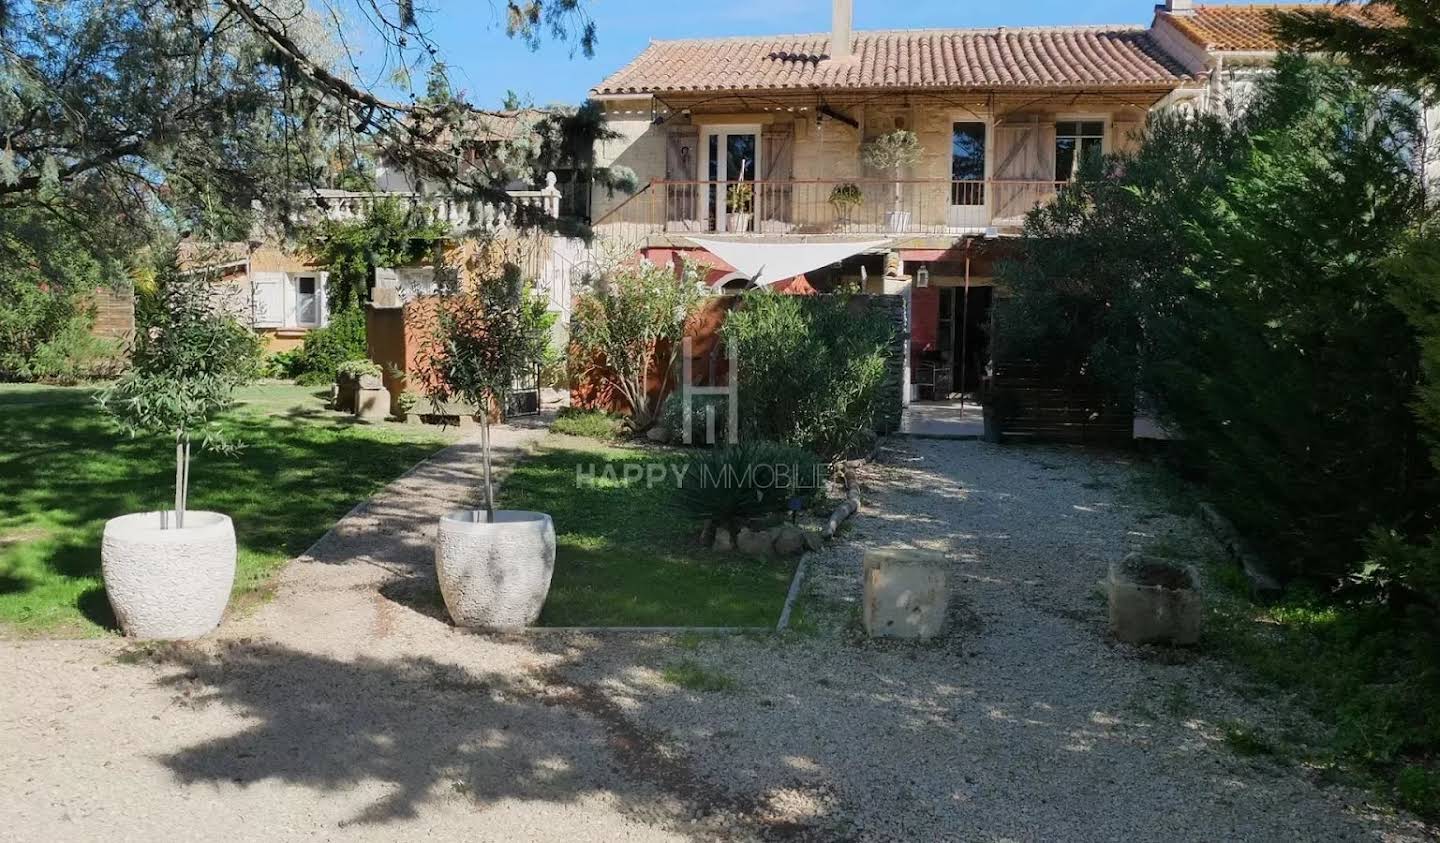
1076, 141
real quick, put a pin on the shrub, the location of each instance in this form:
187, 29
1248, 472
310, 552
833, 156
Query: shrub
73, 354
594, 424
629, 328
672, 418
283, 364
737, 483
811, 370
358, 369
45, 335
326, 348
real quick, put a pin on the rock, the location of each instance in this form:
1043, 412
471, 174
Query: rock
789, 540
906, 594
723, 542
658, 434
755, 542
813, 540
1154, 600
707, 533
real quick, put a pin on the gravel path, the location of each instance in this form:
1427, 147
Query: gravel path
346, 708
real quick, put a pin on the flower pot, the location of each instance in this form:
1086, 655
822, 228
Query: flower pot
495, 575
1154, 601
897, 221
737, 223
166, 584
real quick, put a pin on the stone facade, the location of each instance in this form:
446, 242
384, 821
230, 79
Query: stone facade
114, 312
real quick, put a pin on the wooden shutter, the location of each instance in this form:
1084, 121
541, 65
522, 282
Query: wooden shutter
1024, 165
777, 171
267, 302
682, 164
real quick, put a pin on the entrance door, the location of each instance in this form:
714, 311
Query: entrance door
730, 156
967, 176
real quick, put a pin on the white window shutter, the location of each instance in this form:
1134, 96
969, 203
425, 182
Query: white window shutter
322, 291
268, 299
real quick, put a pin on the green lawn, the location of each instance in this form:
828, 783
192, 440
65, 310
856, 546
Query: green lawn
625, 557
65, 469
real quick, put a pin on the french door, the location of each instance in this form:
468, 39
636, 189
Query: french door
729, 157
968, 208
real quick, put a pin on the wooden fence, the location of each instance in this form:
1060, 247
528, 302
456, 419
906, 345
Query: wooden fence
1035, 401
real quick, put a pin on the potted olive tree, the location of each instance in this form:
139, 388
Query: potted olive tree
739, 204
493, 566
894, 151
168, 573
845, 198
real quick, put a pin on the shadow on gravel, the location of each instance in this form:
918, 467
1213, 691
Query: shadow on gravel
429, 729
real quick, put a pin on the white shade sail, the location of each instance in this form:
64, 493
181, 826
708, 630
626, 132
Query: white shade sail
767, 262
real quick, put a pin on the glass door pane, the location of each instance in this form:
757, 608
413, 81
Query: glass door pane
740, 168
307, 310
967, 176
967, 164
714, 211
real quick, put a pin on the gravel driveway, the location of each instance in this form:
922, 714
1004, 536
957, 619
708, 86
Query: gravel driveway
341, 710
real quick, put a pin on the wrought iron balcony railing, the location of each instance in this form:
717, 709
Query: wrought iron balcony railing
827, 206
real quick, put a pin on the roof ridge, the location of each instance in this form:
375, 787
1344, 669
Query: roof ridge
1087, 27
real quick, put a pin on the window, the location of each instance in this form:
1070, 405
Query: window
1076, 141
307, 306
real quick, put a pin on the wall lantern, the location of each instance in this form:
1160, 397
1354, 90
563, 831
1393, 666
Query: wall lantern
922, 276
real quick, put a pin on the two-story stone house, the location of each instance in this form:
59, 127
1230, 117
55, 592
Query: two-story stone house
749, 149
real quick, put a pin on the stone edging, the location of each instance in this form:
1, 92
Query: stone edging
1263, 583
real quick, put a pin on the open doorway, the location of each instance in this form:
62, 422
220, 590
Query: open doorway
963, 333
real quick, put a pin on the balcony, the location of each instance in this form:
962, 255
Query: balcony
457, 214
826, 207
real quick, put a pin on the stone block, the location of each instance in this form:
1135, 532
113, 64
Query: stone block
906, 593
372, 404
754, 542
789, 540
723, 542
1154, 601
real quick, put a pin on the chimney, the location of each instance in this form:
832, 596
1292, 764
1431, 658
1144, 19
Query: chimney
841, 13
1183, 7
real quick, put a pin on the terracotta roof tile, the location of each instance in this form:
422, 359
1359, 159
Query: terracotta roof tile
952, 58
1245, 28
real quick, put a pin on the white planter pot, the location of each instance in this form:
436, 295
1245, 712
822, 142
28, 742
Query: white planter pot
167, 584
897, 221
737, 223
495, 575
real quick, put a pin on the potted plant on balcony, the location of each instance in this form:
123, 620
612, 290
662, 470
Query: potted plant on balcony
739, 203
893, 152
168, 573
845, 198
493, 566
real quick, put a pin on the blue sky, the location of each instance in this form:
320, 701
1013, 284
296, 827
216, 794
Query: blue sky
484, 63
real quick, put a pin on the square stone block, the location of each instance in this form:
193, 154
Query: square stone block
372, 404
1154, 601
906, 593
